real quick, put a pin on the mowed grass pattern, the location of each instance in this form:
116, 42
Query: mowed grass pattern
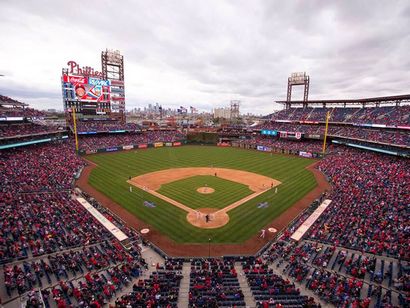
111, 175
184, 191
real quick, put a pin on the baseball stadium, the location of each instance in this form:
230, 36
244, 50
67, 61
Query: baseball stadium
304, 206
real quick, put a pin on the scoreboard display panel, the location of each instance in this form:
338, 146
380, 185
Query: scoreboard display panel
89, 95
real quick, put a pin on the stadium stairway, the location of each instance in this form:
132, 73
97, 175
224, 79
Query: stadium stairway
247, 293
183, 298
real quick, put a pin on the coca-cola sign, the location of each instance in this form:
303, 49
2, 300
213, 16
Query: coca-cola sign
75, 79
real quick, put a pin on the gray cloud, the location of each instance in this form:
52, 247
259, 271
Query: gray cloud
206, 53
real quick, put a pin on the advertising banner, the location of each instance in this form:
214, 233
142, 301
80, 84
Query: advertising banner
112, 149
127, 147
263, 148
311, 136
177, 144
283, 134
298, 135
223, 144
305, 154
158, 144
142, 146
269, 132
168, 144
90, 151
117, 82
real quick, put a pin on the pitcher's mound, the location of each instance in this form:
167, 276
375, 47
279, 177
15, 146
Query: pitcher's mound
216, 217
205, 190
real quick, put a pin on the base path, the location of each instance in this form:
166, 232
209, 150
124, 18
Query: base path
151, 182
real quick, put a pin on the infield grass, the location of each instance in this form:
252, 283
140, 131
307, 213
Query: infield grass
184, 191
113, 170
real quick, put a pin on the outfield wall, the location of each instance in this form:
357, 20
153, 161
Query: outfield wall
158, 144
263, 148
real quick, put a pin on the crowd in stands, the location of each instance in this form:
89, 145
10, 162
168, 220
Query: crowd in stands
270, 289
104, 126
214, 283
369, 134
66, 265
42, 168
49, 241
18, 109
96, 288
160, 290
390, 115
105, 141
294, 146
370, 196
18, 130
57, 246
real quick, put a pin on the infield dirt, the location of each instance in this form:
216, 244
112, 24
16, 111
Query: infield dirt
151, 182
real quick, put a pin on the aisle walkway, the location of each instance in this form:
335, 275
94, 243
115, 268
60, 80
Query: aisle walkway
183, 300
243, 282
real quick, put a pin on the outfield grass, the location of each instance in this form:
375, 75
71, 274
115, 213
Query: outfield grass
184, 191
111, 175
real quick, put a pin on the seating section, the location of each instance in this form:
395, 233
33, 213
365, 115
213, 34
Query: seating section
288, 145
104, 126
270, 289
370, 199
160, 290
214, 283
18, 130
105, 141
18, 109
390, 115
38, 168
369, 134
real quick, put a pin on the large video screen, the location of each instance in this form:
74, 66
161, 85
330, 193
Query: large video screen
86, 89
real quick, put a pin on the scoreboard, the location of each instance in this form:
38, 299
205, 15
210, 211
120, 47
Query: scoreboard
88, 95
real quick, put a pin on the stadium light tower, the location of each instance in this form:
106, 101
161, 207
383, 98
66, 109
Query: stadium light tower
298, 79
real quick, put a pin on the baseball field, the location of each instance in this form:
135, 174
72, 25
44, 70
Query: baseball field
171, 189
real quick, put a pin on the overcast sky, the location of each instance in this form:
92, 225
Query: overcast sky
206, 53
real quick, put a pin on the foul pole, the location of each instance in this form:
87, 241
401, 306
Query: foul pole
75, 129
324, 139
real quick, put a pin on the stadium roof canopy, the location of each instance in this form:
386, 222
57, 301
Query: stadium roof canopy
374, 101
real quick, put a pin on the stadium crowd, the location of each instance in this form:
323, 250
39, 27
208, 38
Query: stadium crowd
370, 200
104, 126
43, 168
160, 290
390, 115
314, 146
369, 134
105, 141
17, 130
214, 283
48, 241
